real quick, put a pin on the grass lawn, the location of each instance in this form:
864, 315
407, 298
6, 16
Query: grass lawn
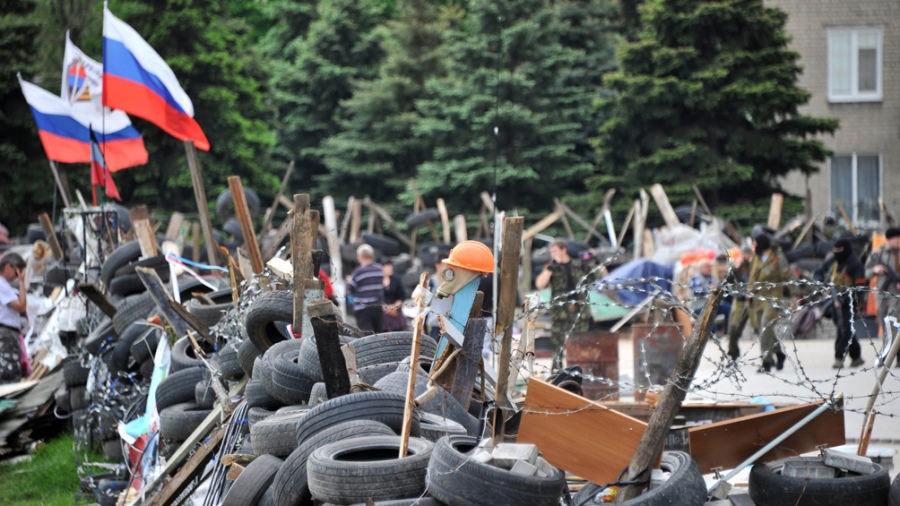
50, 478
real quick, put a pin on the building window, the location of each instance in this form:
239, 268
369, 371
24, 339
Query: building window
854, 64
856, 184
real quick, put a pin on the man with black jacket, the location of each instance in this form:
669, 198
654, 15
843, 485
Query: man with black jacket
844, 271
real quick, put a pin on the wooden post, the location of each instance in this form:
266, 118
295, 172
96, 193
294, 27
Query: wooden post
506, 305
625, 225
195, 242
94, 294
334, 248
174, 227
300, 253
459, 228
638, 230
665, 208
418, 330
775, 210
243, 215
445, 219
51, 236
270, 212
355, 219
328, 344
670, 402
578, 219
565, 222
469, 361
190, 470
846, 217
161, 296
701, 199
345, 223
146, 238
545, 222
54, 169
202, 204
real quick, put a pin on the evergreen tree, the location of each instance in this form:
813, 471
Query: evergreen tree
377, 151
507, 71
26, 184
340, 47
707, 94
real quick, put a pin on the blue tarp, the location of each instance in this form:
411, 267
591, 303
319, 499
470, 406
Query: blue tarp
640, 269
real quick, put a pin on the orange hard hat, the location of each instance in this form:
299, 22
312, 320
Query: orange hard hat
471, 255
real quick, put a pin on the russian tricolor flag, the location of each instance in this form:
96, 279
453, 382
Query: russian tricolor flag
65, 131
138, 81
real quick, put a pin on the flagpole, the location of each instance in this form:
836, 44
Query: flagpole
59, 186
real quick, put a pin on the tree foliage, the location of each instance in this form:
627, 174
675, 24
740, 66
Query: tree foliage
707, 94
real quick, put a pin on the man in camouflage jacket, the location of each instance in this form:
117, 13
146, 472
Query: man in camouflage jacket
769, 272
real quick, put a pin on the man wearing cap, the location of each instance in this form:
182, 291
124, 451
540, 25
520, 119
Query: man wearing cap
739, 274
844, 271
12, 305
885, 263
769, 272
366, 286
569, 307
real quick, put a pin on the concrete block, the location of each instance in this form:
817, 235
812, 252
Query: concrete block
741, 498
657, 478
720, 490
808, 469
545, 470
523, 468
482, 456
506, 454
853, 463
717, 502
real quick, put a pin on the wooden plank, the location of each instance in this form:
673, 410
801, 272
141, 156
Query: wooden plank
418, 330
701, 199
469, 361
160, 295
189, 318
445, 219
565, 222
270, 212
195, 241
200, 197
487, 201
506, 302
545, 222
571, 431
775, 206
625, 225
345, 223
806, 228
654, 438
355, 219
328, 345
638, 229
100, 299
459, 228
727, 444
146, 238
190, 470
174, 226
242, 211
63, 188
300, 254
51, 235
846, 217
665, 208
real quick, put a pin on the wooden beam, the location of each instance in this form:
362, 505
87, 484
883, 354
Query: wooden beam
638, 229
701, 199
195, 241
161, 297
300, 254
328, 345
665, 208
174, 226
242, 211
487, 201
146, 238
270, 212
445, 219
469, 361
625, 226
189, 318
418, 330
272, 246
506, 303
846, 217
545, 222
459, 228
566, 226
806, 228
651, 445
55, 247
355, 219
775, 206
345, 223
190, 470
99, 299
200, 197
578, 219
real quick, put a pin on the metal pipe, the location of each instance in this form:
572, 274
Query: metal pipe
786, 434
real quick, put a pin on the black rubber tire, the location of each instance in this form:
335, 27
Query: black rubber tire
256, 415
205, 394
124, 286
185, 357
768, 487
318, 394
268, 497
178, 387
372, 373
383, 407
75, 374
435, 427
385, 245
413, 501
102, 337
894, 498
359, 469
455, 479
122, 256
177, 422
62, 400
286, 380
145, 347
146, 368
443, 405
684, 486
388, 347
122, 351
422, 217
247, 353
112, 449
132, 309
266, 310
291, 487
262, 367
230, 364
257, 396
78, 398
209, 314
252, 483
157, 263
277, 434
225, 203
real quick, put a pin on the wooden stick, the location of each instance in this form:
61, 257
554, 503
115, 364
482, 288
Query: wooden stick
190, 470
701, 199
565, 222
459, 228
545, 222
506, 305
328, 344
775, 206
625, 226
345, 223
242, 211
174, 226
670, 402
468, 364
51, 236
487, 201
100, 299
200, 197
270, 212
885, 215
445, 219
665, 208
385, 217
161, 297
418, 330
189, 318
300, 252
806, 228
146, 238
578, 219
355, 218
846, 217
869, 419
54, 169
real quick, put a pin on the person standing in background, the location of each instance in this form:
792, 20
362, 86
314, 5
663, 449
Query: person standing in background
394, 295
366, 286
844, 271
12, 306
769, 272
739, 274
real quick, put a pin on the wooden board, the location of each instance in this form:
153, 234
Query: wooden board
94, 294
775, 206
665, 208
190, 470
727, 444
578, 435
539, 227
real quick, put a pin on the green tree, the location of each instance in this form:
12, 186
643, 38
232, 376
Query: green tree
27, 186
707, 94
377, 151
340, 47
501, 113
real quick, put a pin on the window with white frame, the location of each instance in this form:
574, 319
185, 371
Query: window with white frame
854, 64
856, 184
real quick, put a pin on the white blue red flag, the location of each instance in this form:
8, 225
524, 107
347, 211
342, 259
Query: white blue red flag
99, 173
138, 81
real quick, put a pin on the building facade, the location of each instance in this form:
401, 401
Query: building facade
850, 53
